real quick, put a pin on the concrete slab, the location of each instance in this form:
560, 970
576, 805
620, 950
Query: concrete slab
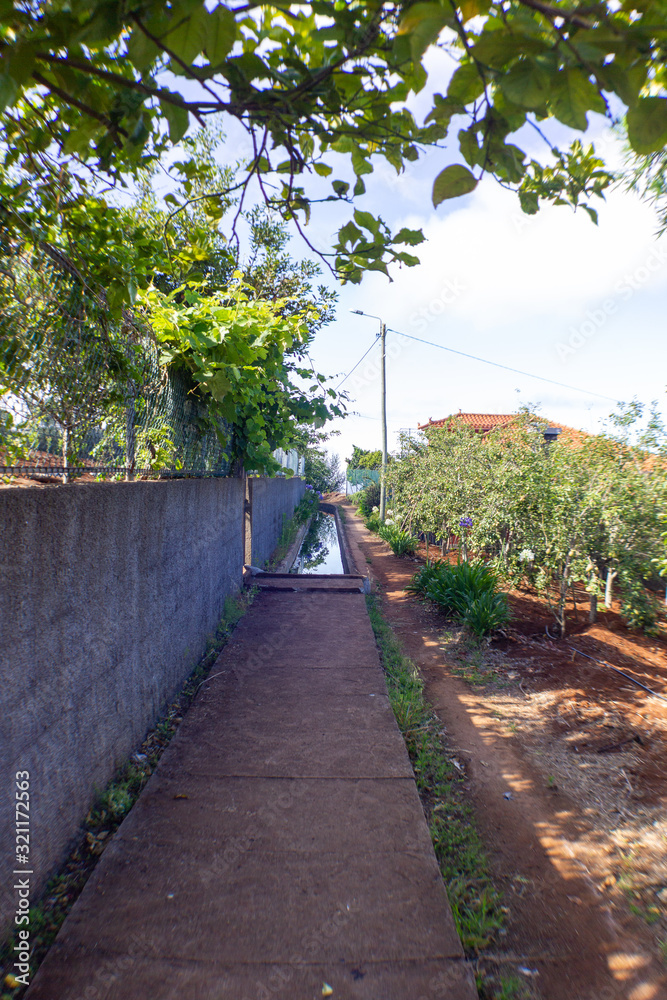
319, 754
129, 976
304, 582
280, 844
280, 815
254, 708
267, 906
297, 678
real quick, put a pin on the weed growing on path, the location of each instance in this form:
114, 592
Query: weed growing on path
474, 901
110, 808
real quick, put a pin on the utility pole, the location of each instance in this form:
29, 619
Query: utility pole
383, 389
383, 408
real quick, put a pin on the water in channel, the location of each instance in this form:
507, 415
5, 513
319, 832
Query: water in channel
319, 552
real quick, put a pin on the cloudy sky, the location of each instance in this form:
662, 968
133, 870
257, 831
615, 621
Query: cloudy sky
551, 294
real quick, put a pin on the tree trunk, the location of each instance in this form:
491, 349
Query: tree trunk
611, 575
593, 608
574, 604
563, 596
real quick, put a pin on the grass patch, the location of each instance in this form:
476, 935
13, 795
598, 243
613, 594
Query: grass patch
506, 987
474, 900
110, 808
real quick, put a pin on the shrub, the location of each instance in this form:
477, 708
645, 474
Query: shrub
368, 498
373, 522
638, 608
467, 592
402, 542
487, 613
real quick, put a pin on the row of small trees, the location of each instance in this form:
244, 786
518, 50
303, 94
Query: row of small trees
585, 510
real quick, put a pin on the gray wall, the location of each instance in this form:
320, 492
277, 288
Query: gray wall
272, 500
108, 592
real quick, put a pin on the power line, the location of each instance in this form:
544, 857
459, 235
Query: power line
358, 363
496, 364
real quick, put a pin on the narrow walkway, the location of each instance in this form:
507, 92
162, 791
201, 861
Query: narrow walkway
279, 846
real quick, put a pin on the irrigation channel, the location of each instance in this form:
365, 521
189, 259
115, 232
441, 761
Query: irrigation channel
320, 549
319, 558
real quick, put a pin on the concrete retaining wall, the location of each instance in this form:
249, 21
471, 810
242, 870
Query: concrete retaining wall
272, 501
108, 594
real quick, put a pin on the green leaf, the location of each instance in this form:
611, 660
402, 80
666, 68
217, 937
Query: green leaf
360, 164
219, 385
529, 202
141, 50
627, 83
78, 139
469, 146
525, 85
322, 169
472, 8
178, 120
452, 182
188, 39
367, 221
422, 25
8, 89
466, 85
572, 96
647, 125
220, 35
413, 237
591, 211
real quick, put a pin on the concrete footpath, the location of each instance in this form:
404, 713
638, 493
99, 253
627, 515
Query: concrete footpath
280, 849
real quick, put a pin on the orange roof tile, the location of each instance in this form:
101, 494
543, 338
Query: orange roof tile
483, 422
486, 422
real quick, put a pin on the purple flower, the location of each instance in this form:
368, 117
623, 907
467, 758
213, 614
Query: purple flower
465, 522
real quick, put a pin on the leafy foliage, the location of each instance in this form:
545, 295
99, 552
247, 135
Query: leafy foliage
547, 515
364, 459
112, 88
466, 592
83, 360
368, 498
243, 354
402, 542
323, 471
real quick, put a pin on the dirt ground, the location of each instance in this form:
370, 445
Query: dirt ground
566, 767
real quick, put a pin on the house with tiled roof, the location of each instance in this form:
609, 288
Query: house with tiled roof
484, 423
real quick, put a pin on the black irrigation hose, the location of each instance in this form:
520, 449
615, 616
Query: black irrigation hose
616, 670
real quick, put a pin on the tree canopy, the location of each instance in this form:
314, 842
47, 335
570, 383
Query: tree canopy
113, 86
547, 514
363, 458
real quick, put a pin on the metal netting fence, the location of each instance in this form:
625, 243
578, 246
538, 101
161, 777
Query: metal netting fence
83, 391
362, 477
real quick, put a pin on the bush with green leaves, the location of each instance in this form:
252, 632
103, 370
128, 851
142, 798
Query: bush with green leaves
373, 522
638, 607
367, 499
487, 613
402, 542
467, 592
